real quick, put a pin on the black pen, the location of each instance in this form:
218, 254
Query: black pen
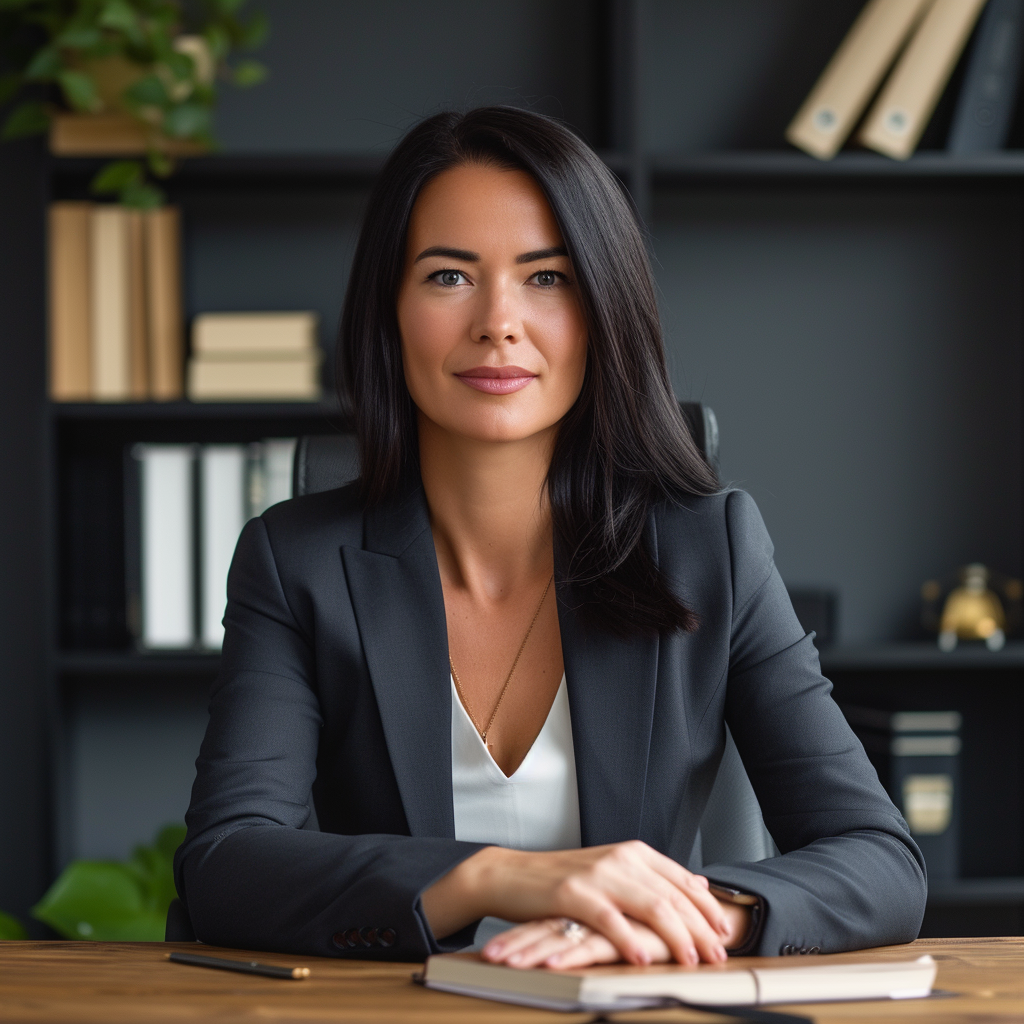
242, 966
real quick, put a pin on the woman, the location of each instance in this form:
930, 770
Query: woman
491, 680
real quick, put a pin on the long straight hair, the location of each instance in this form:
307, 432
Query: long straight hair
624, 444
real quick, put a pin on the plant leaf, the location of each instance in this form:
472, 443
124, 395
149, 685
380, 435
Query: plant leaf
26, 119
168, 839
217, 39
79, 37
160, 163
148, 91
141, 195
117, 175
99, 900
254, 32
249, 72
11, 927
79, 90
187, 119
118, 15
44, 65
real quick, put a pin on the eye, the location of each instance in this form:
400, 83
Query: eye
549, 278
447, 278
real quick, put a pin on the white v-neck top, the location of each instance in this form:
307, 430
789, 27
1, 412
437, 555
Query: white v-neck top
537, 807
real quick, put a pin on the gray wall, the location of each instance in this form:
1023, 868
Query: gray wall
862, 352
131, 761
351, 77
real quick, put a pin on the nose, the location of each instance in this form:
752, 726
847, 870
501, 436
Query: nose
497, 316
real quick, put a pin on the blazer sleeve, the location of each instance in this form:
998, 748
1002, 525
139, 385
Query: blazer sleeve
849, 875
253, 871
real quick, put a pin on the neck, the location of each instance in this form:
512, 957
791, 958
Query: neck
489, 510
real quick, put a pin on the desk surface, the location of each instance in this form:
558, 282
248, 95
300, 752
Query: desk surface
114, 982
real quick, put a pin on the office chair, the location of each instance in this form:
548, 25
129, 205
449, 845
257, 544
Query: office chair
731, 829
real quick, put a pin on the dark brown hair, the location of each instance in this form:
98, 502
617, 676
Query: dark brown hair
624, 444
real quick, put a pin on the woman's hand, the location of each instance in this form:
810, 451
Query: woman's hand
560, 943
607, 888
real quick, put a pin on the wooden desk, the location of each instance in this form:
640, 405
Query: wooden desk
114, 982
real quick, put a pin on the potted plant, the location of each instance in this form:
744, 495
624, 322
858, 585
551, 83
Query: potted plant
155, 63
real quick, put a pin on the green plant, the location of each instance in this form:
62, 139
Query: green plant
157, 60
11, 927
111, 901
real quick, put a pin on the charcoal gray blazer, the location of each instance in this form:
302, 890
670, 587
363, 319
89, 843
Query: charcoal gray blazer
322, 806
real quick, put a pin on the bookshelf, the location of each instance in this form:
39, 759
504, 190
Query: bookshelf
857, 326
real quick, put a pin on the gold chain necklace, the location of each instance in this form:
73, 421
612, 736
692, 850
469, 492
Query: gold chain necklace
501, 696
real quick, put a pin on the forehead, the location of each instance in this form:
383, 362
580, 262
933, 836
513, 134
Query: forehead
482, 208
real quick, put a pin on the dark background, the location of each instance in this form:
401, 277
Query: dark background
859, 339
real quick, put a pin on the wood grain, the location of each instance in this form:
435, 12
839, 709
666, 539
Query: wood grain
115, 982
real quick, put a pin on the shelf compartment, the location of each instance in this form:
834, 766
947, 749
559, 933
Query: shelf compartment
681, 168
975, 892
923, 655
135, 663
196, 410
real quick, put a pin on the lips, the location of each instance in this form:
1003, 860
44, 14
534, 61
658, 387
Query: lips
497, 380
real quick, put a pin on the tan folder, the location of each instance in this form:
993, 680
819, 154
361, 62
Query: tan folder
905, 105
846, 86
110, 303
70, 359
165, 322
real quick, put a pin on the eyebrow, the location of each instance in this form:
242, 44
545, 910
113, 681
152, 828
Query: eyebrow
474, 257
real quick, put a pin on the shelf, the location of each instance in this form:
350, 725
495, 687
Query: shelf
195, 410
133, 663
231, 170
973, 892
881, 657
681, 168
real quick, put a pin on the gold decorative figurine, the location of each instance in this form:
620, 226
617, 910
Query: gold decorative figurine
973, 612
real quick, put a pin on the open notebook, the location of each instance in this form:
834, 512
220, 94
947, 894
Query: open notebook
627, 988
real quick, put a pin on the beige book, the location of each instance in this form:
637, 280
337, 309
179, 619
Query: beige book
293, 378
905, 104
110, 304
70, 359
598, 989
227, 333
111, 134
853, 75
165, 321
138, 356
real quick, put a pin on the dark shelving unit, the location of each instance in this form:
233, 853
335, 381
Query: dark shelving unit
765, 258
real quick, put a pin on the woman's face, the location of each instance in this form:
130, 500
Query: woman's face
493, 337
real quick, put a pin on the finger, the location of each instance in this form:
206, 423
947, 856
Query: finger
694, 886
648, 897
707, 940
548, 945
595, 949
592, 907
507, 943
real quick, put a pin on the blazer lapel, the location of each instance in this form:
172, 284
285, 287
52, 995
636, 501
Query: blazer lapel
611, 683
399, 607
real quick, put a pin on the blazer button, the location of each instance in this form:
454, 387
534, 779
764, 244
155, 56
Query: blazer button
387, 937
787, 950
352, 938
369, 936
814, 949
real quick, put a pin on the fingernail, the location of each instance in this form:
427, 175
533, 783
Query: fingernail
721, 954
515, 958
644, 957
692, 956
493, 949
723, 926
554, 961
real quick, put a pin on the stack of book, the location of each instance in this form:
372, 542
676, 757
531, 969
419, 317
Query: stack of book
917, 757
895, 63
187, 505
115, 303
254, 357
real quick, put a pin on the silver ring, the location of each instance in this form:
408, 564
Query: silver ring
573, 930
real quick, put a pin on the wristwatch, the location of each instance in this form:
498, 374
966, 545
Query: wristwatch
756, 904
